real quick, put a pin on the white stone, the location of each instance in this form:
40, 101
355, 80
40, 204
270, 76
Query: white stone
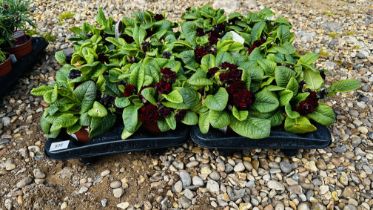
212, 186
123, 205
275, 185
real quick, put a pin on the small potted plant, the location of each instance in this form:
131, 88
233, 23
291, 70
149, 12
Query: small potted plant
15, 17
73, 110
5, 64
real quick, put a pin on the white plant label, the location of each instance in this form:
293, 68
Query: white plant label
237, 38
59, 145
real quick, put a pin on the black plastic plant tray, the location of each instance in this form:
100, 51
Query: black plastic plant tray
67, 148
279, 139
23, 65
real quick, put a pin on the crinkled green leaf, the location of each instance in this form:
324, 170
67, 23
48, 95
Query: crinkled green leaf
218, 119
293, 85
190, 118
285, 97
290, 113
207, 62
344, 86
130, 117
148, 94
86, 93
257, 31
308, 59
323, 114
240, 115
101, 125
174, 97
265, 101
98, 110
204, 122
122, 102
313, 79
299, 125
283, 75
60, 57
171, 121
219, 101
253, 128
41, 90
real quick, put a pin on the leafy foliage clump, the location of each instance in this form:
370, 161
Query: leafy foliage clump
212, 70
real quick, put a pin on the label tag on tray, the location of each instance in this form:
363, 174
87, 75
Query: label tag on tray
59, 145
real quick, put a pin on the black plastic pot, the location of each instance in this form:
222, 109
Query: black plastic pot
65, 147
279, 139
23, 65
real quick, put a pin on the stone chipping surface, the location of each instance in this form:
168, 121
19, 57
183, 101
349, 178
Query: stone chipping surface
338, 177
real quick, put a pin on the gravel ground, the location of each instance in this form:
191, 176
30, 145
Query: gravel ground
339, 177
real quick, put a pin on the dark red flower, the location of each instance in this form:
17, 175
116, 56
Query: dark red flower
163, 87
129, 90
229, 66
256, 44
231, 76
243, 99
127, 38
213, 37
164, 112
148, 112
309, 105
180, 115
168, 74
199, 52
166, 54
145, 46
103, 58
235, 86
158, 17
74, 73
149, 116
239, 96
149, 32
212, 71
200, 32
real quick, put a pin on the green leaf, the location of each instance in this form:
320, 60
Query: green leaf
41, 90
222, 57
190, 118
86, 93
277, 119
148, 94
98, 110
219, 101
240, 115
290, 113
199, 79
265, 101
171, 121
286, 49
73, 129
139, 34
100, 126
130, 117
63, 121
163, 126
253, 128
268, 66
218, 119
323, 114
299, 125
126, 134
283, 75
100, 18
293, 85
122, 102
301, 97
257, 30
283, 33
44, 124
344, 86
60, 57
174, 97
204, 122
313, 79
308, 59
285, 97
207, 62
